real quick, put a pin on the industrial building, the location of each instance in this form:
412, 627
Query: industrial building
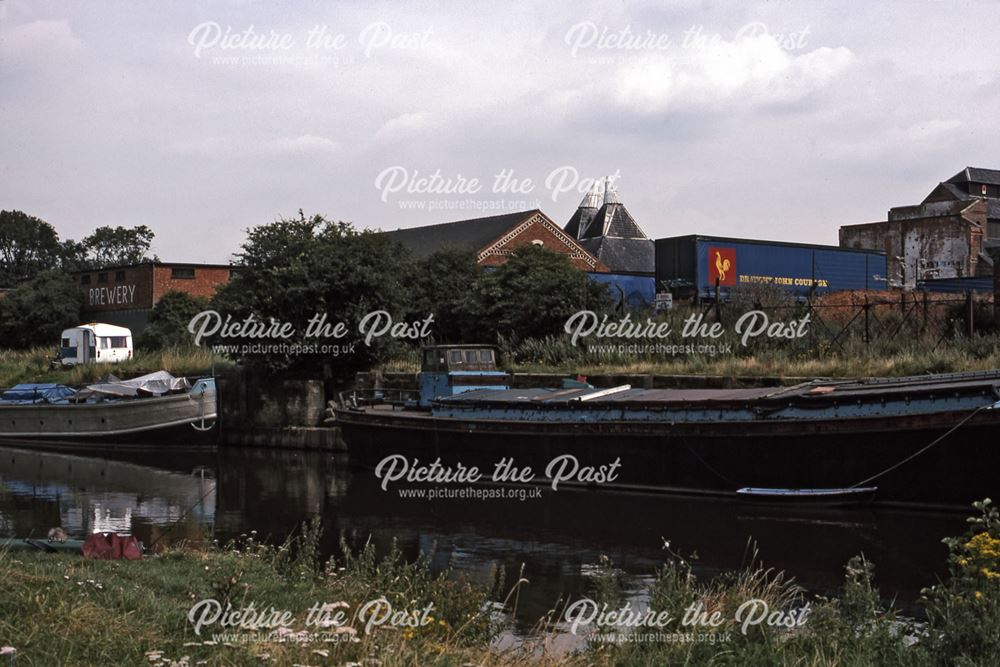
493, 238
694, 266
608, 231
601, 238
125, 295
945, 236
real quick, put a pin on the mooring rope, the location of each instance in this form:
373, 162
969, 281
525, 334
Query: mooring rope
924, 449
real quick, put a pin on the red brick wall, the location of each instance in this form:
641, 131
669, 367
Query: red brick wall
539, 232
140, 287
205, 282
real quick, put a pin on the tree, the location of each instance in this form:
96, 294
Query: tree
28, 247
37, 312
443, 285
110, 246
533, 294
295, 269
168, 322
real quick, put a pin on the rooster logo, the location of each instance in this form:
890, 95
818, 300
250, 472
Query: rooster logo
722, 266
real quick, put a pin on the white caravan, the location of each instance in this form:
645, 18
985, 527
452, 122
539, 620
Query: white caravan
95, 343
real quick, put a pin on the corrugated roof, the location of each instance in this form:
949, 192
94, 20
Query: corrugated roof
977, 175
472, 234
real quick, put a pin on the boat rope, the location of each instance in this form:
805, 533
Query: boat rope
705, 463
924, 449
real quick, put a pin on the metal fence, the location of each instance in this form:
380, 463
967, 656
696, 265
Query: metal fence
878, 319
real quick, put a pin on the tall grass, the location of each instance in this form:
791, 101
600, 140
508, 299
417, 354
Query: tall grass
41, 365
64, 610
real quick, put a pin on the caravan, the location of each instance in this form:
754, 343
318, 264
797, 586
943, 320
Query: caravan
95, 343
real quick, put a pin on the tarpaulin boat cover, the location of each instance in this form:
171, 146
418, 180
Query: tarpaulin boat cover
154, 384
26, 394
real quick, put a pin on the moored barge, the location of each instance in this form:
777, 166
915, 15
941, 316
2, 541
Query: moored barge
931, 439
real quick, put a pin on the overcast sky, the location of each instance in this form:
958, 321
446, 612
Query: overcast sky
773, 120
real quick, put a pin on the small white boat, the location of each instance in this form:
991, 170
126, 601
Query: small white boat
850, 496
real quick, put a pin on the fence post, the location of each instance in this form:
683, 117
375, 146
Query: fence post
970, 311
926, 313
868, 330
718, 307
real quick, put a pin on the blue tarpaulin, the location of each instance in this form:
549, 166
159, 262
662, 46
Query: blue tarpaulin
26, 394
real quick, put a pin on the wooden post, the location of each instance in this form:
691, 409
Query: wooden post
868, 329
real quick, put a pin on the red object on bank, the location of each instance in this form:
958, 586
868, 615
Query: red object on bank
111, 546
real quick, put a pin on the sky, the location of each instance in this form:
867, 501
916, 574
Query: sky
773, 120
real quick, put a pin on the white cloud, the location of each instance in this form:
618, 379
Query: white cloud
45, 43
746, 72
302, 144
404, 126
230, 147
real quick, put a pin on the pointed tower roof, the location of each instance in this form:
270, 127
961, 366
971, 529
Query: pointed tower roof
614, 237
613, 220
580, 222
610, 191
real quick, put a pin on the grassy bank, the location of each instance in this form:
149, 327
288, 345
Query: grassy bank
850, 358
63, 610
36, 366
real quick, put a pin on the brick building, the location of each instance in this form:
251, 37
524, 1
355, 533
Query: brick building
494, 238
944, 236
125, 295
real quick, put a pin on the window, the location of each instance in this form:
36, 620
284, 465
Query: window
104, 343
993, 230
470, 356
456, 356
119, 276
182, 273
85, 280
486, 356
102, 277
65, 342
119, 341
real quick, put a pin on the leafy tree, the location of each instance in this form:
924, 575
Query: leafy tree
37, 312
28, 246
168, 322
73, 256
443, 285
109, 246
293, 269
533, 294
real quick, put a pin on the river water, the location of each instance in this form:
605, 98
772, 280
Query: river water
555, 540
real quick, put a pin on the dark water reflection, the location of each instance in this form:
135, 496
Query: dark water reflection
194, 495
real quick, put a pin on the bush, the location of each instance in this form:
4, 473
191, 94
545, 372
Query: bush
168, 323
